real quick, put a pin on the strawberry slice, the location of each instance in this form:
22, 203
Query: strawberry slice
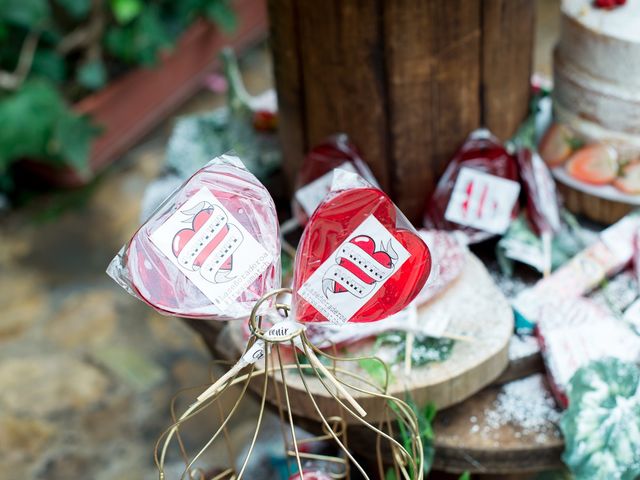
596, 164
556, 145
629, 181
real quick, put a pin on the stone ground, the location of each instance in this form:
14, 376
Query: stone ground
86, 371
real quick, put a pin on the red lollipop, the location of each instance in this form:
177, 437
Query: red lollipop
313, 181
210, 251
482, 152
356, 262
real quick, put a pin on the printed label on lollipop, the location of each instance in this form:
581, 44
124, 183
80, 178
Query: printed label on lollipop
310, 196
482, 201
358, 268
211, 248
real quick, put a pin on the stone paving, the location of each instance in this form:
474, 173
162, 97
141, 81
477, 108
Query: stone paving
86, 371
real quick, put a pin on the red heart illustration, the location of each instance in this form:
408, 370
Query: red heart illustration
183, 236
158, 282
331, 224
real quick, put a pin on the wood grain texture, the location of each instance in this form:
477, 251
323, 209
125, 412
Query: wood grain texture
507, 37
406, 79
288, 77
433, 64
342, 55
460, 446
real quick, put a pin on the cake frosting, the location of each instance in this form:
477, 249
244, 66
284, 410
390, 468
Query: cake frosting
597, 72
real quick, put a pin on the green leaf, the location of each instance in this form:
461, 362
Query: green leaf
376, 370
26, 13
71, 140
465, 476
390, 475
92, 75
140, 41
29, 116
126, 10
78, 9
601, 427
50, 65
221, 12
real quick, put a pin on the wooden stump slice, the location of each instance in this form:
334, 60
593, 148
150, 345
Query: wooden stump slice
489, 434
474, 307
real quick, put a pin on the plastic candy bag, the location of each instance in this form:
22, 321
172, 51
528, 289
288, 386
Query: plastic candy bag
314, 177
359, 258
210, 251
478, 192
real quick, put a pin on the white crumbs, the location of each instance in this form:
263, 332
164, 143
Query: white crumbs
527, 406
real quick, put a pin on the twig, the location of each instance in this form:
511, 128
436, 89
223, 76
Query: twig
87, 36
13, 80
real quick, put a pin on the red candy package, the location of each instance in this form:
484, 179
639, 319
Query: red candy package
543, 208
478, 192
210, 251
359, 259
316, 173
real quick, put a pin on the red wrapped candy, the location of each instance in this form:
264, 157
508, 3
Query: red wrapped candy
313, 181
483, 153
358, 260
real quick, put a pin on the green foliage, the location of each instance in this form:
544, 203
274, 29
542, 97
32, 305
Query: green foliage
41, 126
376, 370
425, 349
425, 418
78, 49
601, 427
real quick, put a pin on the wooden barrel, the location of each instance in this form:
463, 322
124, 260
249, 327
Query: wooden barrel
406, 79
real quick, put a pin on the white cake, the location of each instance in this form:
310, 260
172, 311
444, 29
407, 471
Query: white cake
597, 73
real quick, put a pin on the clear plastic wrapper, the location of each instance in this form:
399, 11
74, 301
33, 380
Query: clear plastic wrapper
478, 207
359, 258
313, 181
543, 206
210, 251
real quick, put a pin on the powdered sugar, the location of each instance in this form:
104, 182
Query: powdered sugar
524, 404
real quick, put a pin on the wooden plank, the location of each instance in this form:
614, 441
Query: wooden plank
344, 83
507, 37
288, 77
433, 64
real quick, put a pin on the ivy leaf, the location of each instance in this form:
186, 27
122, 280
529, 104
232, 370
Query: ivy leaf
375, 369
32, 111
25, 13
92, 75
601, 427
71, 140
50, 65
78, 9
222, 14
125, 11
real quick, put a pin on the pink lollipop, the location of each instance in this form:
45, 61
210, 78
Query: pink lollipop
210, 251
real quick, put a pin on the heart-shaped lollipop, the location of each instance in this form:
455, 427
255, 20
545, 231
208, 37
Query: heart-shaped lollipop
354, 263
212, 250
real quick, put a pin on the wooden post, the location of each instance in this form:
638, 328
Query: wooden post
407, 80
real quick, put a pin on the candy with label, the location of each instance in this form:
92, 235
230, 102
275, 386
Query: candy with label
209, 251
358, 260
477, 210
313, 181
574, 332
607, 256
